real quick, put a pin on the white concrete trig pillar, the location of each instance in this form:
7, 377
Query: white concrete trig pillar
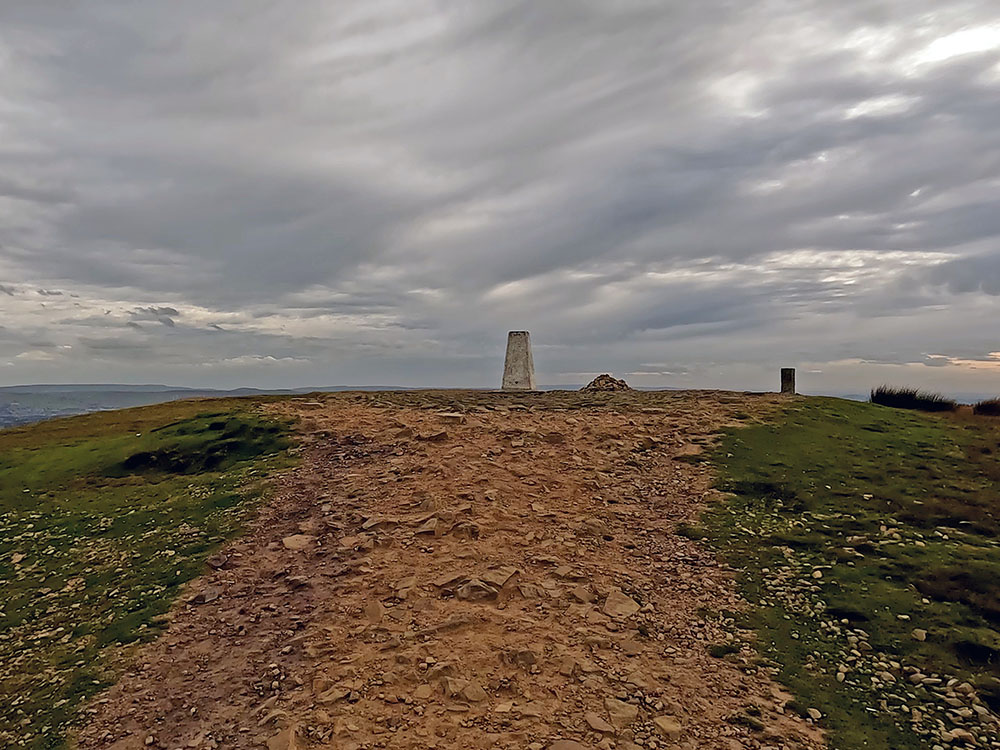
788, 380
519, 367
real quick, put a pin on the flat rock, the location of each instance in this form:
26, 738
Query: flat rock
622, 714
206, 595
433, 437
474, 693
521, 658
476, 590
619, 605
466, 529
454, 687
568, 666
632, 648
533, 709
378, 522
284, 740
639, 680
689, 449
430, 526
498, 577
449, 579
405, 586
668, 726
297, 542
595, 722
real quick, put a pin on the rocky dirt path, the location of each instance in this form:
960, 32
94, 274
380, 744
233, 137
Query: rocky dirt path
466, 571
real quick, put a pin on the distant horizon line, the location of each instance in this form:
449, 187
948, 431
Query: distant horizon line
964, 396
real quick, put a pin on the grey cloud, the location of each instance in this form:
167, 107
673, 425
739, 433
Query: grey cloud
382, 189
163, 315
154, 313
113, 344
10, 189
975, 274
935, 362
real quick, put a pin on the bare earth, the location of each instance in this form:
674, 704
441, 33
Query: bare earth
467, 570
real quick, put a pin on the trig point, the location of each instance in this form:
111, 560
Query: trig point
788, 380
519, 367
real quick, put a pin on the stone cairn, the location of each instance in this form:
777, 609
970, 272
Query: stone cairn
606, 384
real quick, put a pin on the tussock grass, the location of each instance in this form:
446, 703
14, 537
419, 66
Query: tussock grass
911, 398
987, 408
102, 519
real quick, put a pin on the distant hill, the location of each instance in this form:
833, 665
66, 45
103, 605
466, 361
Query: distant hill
24, 404
91, 388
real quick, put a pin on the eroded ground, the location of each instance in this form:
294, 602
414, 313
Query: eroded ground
461, 570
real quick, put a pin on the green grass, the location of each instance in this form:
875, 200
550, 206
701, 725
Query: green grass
899, 513
102, 519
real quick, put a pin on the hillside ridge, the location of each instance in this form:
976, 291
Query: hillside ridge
466, 570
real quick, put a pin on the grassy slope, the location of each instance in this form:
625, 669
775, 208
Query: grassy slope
102, 519
855, 525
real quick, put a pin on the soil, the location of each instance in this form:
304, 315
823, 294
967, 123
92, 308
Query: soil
468, 570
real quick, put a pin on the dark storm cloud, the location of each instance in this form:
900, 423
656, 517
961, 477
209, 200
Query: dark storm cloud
378, 191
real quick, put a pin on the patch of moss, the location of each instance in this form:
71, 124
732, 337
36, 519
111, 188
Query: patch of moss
103, 518
690, 531
722, 650
851, 518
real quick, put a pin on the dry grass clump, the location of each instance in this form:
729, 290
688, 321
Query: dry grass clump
988, 408
911, 398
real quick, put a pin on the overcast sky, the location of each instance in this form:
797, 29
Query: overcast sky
374, 192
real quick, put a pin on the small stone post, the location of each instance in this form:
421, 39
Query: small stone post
788, 380
519, 367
